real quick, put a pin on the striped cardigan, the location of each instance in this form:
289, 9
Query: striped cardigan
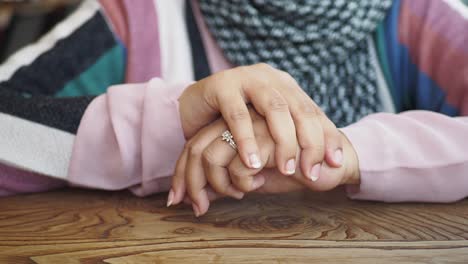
47, 87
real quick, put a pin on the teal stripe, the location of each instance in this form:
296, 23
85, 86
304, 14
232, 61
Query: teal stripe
108, 70
379, 39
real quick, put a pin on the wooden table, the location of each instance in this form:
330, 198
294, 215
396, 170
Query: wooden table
77, 226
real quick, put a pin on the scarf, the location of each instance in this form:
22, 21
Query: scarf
323, 44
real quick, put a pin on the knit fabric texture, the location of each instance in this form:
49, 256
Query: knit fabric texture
322, 44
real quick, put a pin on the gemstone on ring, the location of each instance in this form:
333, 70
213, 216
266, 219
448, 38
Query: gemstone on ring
227, 136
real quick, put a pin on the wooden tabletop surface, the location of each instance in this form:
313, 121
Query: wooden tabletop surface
78, 226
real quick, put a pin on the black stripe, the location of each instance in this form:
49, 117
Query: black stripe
71, 56
200, 62
61, 113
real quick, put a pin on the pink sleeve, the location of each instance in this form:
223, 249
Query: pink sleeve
15, 181
129, 137
412, 156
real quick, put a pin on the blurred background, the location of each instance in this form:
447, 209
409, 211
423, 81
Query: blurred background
24, 21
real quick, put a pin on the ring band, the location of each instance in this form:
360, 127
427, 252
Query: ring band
227, 136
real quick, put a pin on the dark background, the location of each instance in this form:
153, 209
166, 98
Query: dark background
23, 22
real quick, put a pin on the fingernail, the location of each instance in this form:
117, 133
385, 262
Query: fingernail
195, 210
338, 156
291, 167
315, 172
255, 161
170, 198
258, 182
238, 195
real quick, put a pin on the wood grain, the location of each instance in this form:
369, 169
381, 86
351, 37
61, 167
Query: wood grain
77, 226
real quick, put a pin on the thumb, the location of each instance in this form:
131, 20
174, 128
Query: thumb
194, 110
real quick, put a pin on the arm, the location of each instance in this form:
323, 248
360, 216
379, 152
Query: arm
44, 91
413, 156
130, 136
421, 156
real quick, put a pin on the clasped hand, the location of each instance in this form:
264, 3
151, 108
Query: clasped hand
284, 141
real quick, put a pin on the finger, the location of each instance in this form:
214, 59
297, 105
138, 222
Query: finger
195, 180
306, 114
187, 200
177, 192
308, 118
235, 112
329, 178
216, 158
275, 183
247, 179
322, 145
312, 147
262, 91
194, 173
212, 195
333, 143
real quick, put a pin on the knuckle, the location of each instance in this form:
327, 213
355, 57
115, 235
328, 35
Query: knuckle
319, 149
220, 76
235, 172
290, 81
241, 182
243, 68
328, 124
288, 146
314, 148
209, 157
285, 76
239, 115
312, 155
211, 97
307, 108
329, 127
264, 66
245, 141
194, 149
209, 86
278, 104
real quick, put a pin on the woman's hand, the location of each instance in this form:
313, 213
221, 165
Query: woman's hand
223, 171
293, 119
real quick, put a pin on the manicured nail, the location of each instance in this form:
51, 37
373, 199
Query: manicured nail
338, 156
258, 182
195, 210
238, 195
170, 198
315, 172
291, 167
255, 161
